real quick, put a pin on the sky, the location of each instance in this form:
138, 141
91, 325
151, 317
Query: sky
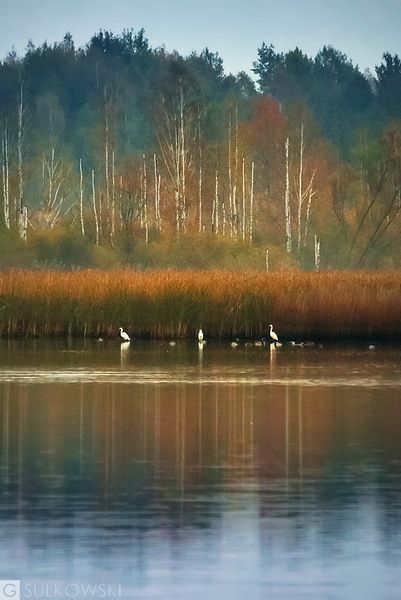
361, 29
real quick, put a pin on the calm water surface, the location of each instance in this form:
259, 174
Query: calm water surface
155, 472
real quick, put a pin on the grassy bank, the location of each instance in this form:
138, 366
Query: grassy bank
171, 304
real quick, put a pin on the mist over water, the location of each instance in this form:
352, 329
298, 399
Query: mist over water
202, 472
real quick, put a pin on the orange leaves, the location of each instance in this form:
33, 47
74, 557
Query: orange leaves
267, 113
267, 120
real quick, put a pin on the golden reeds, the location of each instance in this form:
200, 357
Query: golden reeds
167, 304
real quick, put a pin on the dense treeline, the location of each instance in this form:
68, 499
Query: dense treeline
121, 154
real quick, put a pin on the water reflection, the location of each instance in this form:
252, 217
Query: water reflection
213, 472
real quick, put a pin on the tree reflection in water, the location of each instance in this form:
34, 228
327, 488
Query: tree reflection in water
168, 461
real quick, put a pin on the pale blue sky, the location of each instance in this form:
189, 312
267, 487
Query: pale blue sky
362, 29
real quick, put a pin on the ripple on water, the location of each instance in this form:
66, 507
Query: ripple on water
190, 378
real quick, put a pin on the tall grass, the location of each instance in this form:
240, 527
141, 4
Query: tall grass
169, 304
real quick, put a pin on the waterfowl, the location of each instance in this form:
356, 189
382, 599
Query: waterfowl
273, 335
124, 335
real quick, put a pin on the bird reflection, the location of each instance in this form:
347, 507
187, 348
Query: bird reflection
124, 348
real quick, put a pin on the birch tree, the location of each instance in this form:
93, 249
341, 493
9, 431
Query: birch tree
243, 200
176, 130
108, 219
200, 173
215, 205
54, 188
144, 187
305, 195
251, 204
233, 154
6, 174
81, 199
287, 208
95, 211
300, 194
22, 210
157, 182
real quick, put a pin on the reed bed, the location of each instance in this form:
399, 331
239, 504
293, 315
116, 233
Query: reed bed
174, 304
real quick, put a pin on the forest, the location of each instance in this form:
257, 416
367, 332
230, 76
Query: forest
119, 155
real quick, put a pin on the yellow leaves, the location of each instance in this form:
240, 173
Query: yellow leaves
351, 217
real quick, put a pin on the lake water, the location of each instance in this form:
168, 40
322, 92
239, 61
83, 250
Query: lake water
156, 472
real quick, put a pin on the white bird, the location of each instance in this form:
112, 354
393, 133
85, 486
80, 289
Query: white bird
124, 335
273, 335
200, 335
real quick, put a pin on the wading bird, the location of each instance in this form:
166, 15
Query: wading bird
124, 335
273, 335
200, 335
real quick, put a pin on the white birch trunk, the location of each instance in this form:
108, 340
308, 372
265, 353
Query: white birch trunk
23, 222
288, 239
95, 209
157, 193
53, 179
230, 181
19, 150
106, 166
159, 183
183, 163
300, 193
243, 200
22, 210
216, 207
177, 134
145, 200
317, 253
200, 175
113, 195
177, 210
6, 178
51, 169
251, 207
235, 207
120, 204
307, 218
81, 198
